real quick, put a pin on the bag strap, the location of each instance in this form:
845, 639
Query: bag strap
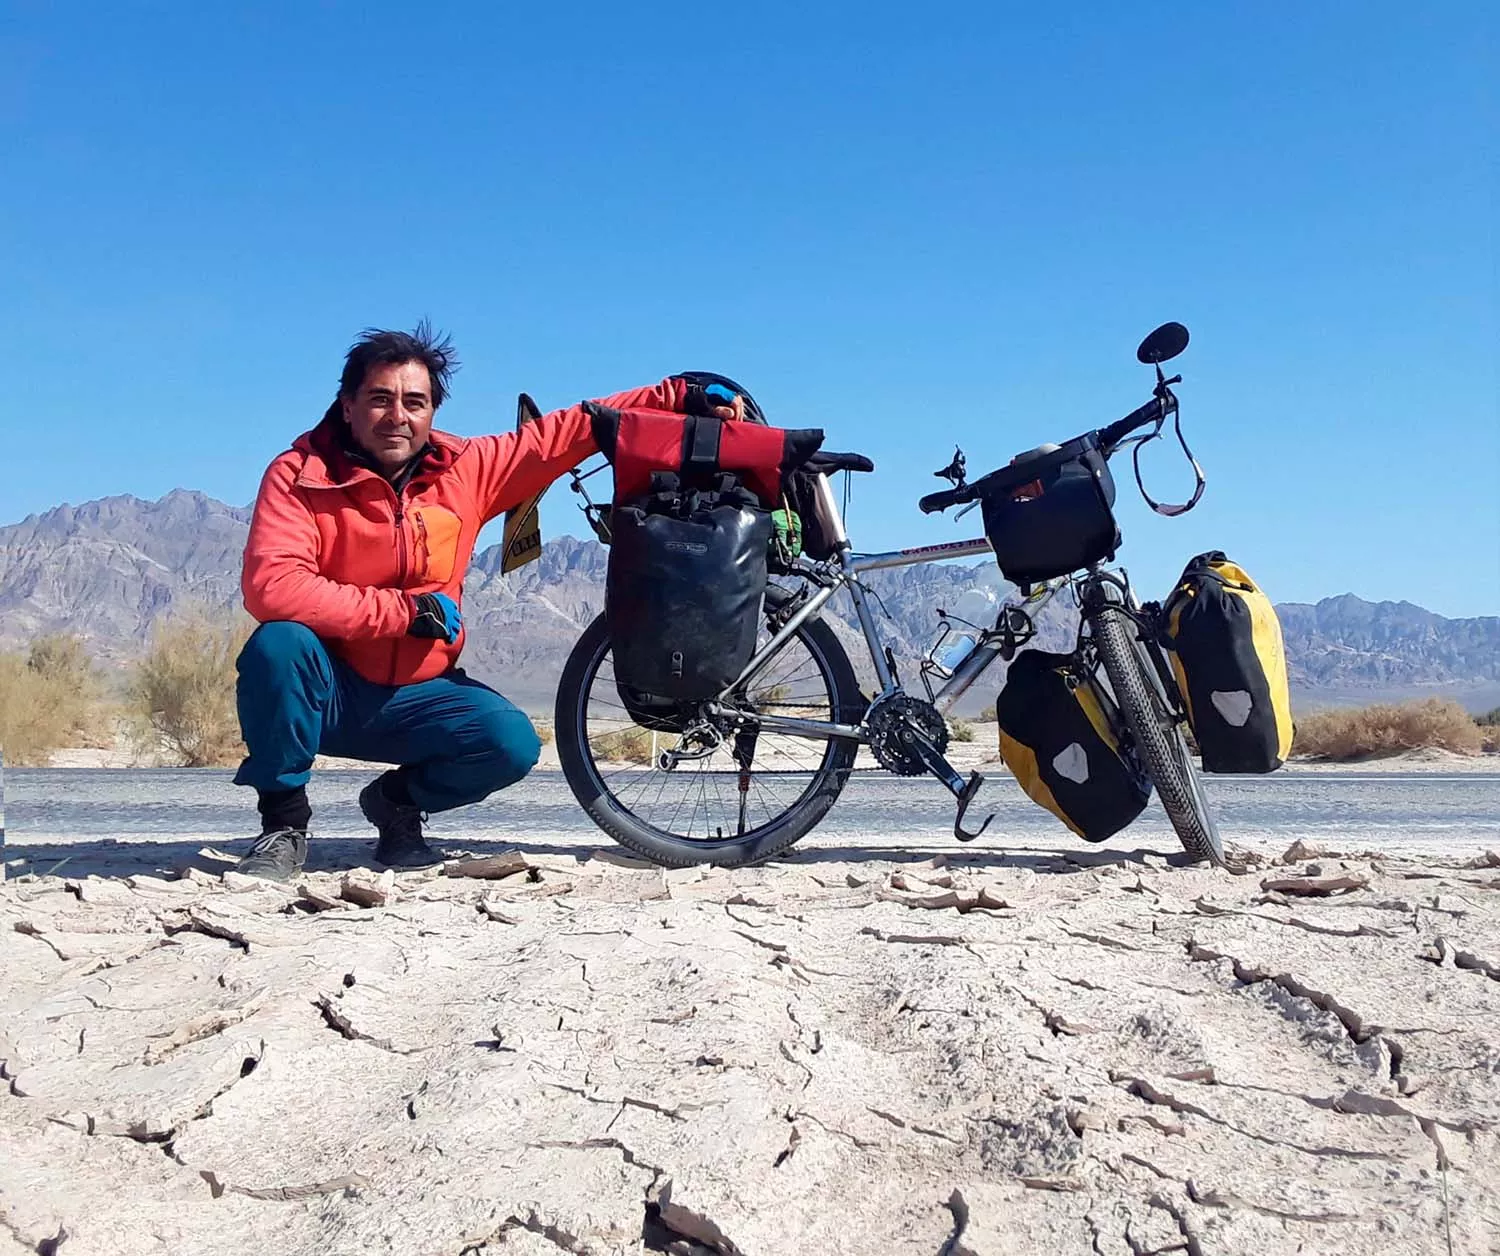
1161, 508
700, 444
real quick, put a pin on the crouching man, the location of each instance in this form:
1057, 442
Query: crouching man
354, 568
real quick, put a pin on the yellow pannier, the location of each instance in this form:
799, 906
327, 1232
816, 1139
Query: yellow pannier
1224, 641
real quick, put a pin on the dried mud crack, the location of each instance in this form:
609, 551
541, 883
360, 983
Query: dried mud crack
1102, 1056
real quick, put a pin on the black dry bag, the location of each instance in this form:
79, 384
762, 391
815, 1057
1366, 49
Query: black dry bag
682, 596
1060, 738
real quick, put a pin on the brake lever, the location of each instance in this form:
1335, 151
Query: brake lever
963, 510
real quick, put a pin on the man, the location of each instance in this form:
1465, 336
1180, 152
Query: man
354, 566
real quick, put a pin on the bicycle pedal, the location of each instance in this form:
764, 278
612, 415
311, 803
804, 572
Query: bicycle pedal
965, 797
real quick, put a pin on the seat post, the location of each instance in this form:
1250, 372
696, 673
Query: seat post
828, 504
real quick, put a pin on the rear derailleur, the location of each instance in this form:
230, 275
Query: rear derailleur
698, 741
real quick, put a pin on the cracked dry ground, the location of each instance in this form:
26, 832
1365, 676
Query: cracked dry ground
1097, 1054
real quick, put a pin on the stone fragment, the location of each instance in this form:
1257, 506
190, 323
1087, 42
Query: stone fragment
318, 899
615, 859
488, 867
1304, 887
1300, 851
364, 889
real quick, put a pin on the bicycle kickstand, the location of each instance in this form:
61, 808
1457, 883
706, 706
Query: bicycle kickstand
961, 789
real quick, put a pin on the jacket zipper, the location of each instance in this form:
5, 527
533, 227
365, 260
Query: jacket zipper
400, 578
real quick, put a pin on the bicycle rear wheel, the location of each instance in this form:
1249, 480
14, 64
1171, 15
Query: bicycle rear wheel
748, 800
1158, 737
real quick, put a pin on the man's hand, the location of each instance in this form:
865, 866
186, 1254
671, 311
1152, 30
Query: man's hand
436, 617
715, 400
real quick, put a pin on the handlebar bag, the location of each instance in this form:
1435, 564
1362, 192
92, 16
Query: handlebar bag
1061, 738
1224, 641
1057, 522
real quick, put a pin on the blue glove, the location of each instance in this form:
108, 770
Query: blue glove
436, 617
702, 400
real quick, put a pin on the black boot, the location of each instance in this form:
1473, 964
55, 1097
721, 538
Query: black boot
400, 844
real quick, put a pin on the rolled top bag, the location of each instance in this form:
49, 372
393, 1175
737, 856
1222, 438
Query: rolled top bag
1224, 640
690, 534
1060, 738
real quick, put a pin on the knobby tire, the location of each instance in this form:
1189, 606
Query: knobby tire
1163, 750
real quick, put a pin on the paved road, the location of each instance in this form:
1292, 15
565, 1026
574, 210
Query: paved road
179, 810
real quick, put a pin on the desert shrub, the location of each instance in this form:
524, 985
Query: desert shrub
31, 725
989, 715
1490, 719
629, 745
960, 730
182, 689
543, 732
1489, 730
49, 698
1385, 728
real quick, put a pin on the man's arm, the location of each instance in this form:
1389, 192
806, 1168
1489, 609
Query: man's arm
511, 468
280, 578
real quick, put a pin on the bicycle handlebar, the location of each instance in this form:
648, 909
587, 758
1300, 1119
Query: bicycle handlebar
1017, 474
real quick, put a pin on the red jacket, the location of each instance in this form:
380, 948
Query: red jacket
331, 545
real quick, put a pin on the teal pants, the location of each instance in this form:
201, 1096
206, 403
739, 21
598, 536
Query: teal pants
458, 740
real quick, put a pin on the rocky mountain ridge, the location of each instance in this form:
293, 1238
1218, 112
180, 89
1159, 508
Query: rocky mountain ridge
108, 570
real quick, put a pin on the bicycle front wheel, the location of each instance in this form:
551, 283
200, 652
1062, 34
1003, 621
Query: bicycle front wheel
749, 799
1159, 741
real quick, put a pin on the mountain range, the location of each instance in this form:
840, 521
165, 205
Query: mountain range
108, 570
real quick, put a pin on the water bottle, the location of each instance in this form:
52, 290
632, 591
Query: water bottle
964, 621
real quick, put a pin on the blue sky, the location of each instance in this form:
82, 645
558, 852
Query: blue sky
913, 226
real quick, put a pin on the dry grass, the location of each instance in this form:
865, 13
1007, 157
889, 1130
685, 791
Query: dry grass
543, 732
1489, 730
629, 745
182, 690
1385, 728
50, 697
960, 730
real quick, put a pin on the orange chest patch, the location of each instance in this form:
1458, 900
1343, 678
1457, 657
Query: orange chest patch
436, 533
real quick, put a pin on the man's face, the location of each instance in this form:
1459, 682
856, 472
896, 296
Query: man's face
391, 414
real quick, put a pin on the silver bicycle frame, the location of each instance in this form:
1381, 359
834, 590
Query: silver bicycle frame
842, 571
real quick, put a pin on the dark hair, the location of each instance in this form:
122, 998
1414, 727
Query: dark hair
422, 344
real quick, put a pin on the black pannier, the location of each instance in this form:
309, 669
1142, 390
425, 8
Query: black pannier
683, 593
1060, 736
1050, 512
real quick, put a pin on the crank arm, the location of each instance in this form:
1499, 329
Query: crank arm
963, 790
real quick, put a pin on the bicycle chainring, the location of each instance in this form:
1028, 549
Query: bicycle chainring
891, 723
